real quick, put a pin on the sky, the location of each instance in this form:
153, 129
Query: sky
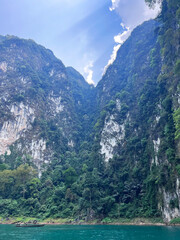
84, 34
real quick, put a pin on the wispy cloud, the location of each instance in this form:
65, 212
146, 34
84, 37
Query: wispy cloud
89, 72
121, 37
114, 4
119, 40
132, 13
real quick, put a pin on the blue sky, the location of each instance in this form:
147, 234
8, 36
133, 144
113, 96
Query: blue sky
79, 32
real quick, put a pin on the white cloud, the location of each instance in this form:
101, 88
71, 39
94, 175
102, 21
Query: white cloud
121, 37
119, 40
112, 57
114, 4
89, 72
132, 13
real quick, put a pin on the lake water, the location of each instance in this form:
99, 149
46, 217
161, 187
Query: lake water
10, 232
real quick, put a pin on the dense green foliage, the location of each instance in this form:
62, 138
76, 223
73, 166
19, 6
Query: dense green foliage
175, 221
177, 123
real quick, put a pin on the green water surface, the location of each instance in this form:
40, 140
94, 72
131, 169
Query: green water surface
10, 232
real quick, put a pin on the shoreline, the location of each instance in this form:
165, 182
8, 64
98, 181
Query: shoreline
76, 222
98, 224
109, 224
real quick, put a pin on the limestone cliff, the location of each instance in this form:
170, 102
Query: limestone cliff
139, 103
35, 95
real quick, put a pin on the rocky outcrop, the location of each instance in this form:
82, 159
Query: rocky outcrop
171, 203
112, 135
12, 130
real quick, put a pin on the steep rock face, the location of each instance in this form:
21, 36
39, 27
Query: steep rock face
133, 64
112, 135
35, 95
12, 130
124, 83
171, 202
138, 100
